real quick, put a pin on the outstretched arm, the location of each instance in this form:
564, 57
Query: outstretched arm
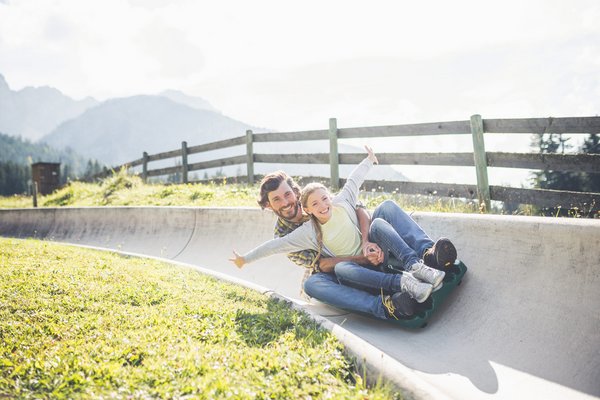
297, 240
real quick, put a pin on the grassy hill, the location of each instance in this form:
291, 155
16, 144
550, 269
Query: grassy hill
79, 323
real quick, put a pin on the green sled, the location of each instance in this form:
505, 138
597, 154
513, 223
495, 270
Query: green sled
425, 310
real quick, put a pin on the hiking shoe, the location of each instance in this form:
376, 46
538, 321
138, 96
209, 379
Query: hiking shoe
441, 256
399, 305
426, 274
418, 290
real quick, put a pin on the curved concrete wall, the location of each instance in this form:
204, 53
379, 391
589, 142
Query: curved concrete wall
525, 323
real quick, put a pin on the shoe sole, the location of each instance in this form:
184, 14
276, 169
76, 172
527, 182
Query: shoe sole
405, 309
446, 255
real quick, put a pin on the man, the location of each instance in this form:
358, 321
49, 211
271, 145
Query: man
279, 193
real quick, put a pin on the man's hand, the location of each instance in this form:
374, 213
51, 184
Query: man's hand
372, 252
237, 260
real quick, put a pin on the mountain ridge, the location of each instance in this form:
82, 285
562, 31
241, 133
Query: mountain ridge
32, 112
119, 130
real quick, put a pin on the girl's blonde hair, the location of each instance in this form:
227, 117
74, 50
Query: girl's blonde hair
307, 191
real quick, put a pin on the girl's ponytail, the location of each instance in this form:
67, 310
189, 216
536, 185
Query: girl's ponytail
307, 191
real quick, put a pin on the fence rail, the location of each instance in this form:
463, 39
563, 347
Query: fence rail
479, 158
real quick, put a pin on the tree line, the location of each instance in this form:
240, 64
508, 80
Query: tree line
17, 155
567, 180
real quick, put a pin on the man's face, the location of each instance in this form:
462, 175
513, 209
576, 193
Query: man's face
283, 202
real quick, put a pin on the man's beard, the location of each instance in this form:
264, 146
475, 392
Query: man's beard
291, 214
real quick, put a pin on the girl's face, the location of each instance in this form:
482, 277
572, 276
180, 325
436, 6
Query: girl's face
319, 204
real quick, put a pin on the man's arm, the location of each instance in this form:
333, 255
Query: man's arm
325, 264
370, 250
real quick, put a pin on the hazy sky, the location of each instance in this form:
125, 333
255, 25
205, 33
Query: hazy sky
292, 65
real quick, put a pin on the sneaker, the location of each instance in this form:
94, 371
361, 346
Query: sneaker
442, 255
426, 274
418, 290
399, 305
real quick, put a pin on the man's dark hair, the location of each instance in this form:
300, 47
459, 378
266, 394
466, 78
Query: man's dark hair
271, 182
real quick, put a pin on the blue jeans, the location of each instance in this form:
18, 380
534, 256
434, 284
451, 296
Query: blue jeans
359, 292
357, 288
398, 234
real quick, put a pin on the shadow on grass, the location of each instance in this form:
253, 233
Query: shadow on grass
258, 330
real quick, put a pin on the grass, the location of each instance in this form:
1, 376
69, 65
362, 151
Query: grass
79, 323
121, 189
125, 190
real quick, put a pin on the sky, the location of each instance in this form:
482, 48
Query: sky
290, 66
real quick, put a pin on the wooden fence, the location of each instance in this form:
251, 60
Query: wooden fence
479, 158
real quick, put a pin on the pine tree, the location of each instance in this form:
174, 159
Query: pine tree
559, 180
563, 180
591, 145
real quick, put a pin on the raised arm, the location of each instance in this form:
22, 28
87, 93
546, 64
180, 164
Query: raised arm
356, 178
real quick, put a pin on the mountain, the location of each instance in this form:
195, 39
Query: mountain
190, 101
119, 130
33, 112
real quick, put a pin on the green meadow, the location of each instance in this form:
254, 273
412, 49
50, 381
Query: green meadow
81, 323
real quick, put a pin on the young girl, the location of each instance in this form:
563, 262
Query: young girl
334, 231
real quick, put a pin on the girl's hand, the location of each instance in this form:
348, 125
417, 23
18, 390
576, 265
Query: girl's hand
370, 155
237, 260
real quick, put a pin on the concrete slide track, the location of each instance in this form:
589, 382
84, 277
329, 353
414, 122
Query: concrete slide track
525, 323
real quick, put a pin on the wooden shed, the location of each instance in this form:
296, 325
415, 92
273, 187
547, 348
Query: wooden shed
46, 175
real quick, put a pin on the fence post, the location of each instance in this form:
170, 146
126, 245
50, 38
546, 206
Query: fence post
145, 167
184, 162
250, 157
483, 187
35, 193
333, 154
